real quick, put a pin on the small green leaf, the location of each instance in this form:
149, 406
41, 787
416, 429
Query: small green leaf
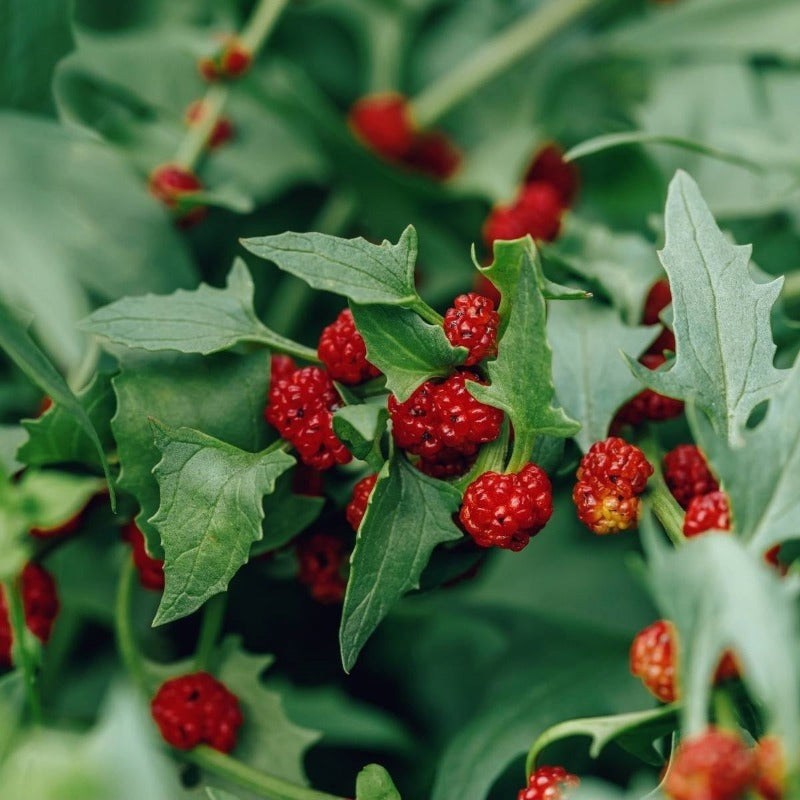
285, 515
721, 363
375, 783
407, 516
361, 427
592, 377
355, 268
205, 320
210, 513
49, 499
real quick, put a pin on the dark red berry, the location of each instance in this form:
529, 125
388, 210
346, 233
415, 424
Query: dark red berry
221, 132
708, 512
654, 660
485, 287
446, 464
343, 352
772, 558
507, 510
687, 475
383, 123
433, 153
232, 60
715, 765
173, 185
308, 481
281, 367
197, 709
472, 322
549, 167
648, 405
536, 211
357, 506
300, 408
658, 298
549, 783
40, 604
150, 570
321, 558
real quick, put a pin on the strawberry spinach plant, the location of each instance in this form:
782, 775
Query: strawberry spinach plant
399, 400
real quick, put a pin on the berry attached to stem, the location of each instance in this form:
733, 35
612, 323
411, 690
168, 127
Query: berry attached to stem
472, 322
707, 512
548, 783
343, 352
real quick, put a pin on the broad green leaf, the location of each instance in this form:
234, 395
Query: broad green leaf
359, 270
204, 320
53, 438
285, 515
721, 363
404, 347
636, 731
761, 475
361, 427
26, 354
222, 395
220, 794
592, 377
407, 516
210, 513
51, 498
375, 783
520, 376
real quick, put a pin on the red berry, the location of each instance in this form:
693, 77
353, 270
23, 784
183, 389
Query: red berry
715, 765
197, 709
654, 660
40, 604
548, 783
383, 123
172, 185
648, 405
549, 167
300, 408
472, 322
658, 298
281, 367
45, 405
485, 287
308, 481
446, 464
321, 558
443, 416
357, 506
220, 133
507, 510
150, 570
771, 557
230, 61
771, 781
706, 513
536, 211
343, 352
687, 474
603, 508
434, 154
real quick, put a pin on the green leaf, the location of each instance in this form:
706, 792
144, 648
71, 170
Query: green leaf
210, 513
223, 395
285, 515
404, 347
361, 427
764, 500
592, 377
723, 365
205, 320
635, 731
53, 438
49, 499
12, 437
375, 783
359, 270
407, 516
24, 352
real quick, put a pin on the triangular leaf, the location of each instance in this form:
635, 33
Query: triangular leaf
361, 427
375, 783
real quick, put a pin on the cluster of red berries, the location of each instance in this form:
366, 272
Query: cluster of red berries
174, 186
611, 476
548, 783
384, 123
197, 709
39, 603
150, 570
229, 62
322, 558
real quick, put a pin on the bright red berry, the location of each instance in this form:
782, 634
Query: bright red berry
300, 408
653, 659
232, 60
549, 167
321, 558
536, 211
603, 508
548, 783
40, 604
281, 367
383, 123
357, 506
687, 475
708, 512
197, 709
771, 781
472, 322
441, 416
173, 185
507, 510
715, 765
150, 570
221, 132
343, 352
434, 154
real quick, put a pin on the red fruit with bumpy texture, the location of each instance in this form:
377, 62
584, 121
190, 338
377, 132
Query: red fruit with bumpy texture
658, 298
40, 604
548, 783
649, 404
709, 512
654, 661
507, 510
618, 463
472, 322
150, 570
221, 132
549, 167
172, 185
281, 368
343, 352
197, 709
715, 765
383, 123
446, 464
321, 558
357, 506
604, 508
771, 781
536, 211
300, 408
687, 475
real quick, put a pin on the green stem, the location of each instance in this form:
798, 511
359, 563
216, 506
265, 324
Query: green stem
725, 713
288, 346
126, 640
491, 458
213, 617
666, 508
261, 22
521, 452
522, 37
21, 654
426, 312
791, 288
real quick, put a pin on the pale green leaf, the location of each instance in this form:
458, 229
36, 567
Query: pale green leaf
49, 499
375, 783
